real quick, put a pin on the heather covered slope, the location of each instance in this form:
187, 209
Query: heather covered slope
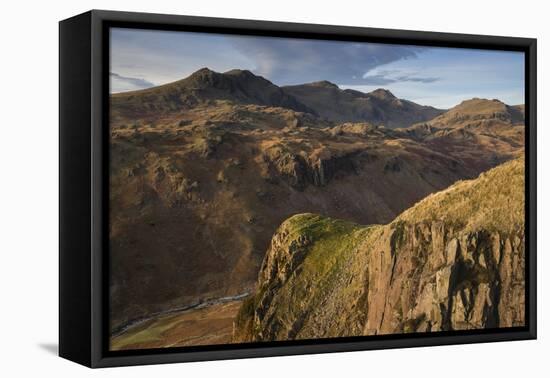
453, 261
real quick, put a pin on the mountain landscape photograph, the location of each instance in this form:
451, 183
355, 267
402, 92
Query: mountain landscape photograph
270, 189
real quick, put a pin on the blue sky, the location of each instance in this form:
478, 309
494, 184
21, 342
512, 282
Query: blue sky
440, 77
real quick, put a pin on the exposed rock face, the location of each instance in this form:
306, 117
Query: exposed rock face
439, 278
300, 170
454, 261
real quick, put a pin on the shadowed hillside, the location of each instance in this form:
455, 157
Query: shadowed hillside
379, 107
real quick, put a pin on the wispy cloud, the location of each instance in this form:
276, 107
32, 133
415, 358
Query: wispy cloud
291, 61
385, 77
121, 83
434, 75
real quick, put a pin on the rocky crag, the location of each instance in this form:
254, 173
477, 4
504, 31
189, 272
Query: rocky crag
454, 261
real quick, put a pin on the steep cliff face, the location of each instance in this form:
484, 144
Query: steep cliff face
454, 261
317, 168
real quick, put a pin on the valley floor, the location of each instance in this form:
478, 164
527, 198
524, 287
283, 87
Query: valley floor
209, 325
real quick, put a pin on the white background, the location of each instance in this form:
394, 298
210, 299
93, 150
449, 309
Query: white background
29, 186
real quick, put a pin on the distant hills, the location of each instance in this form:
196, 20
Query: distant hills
478, 111
204, 170
323, 98
204, 85
379, 107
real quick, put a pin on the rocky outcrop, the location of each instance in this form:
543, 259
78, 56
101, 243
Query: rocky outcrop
454, 261
301, 170
433, 278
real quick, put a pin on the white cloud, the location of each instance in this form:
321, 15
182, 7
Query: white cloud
121, 83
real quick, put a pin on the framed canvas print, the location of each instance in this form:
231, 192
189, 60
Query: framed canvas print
233, 188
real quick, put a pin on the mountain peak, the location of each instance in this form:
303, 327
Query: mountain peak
480, 106
382, 94
203, 75
239, 72
479, 101
476, 109
202, 71
323, 84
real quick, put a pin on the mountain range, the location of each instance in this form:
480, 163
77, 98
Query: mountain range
205, 170
322, 98
379, 107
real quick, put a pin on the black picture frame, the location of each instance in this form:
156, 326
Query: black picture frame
83, 205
